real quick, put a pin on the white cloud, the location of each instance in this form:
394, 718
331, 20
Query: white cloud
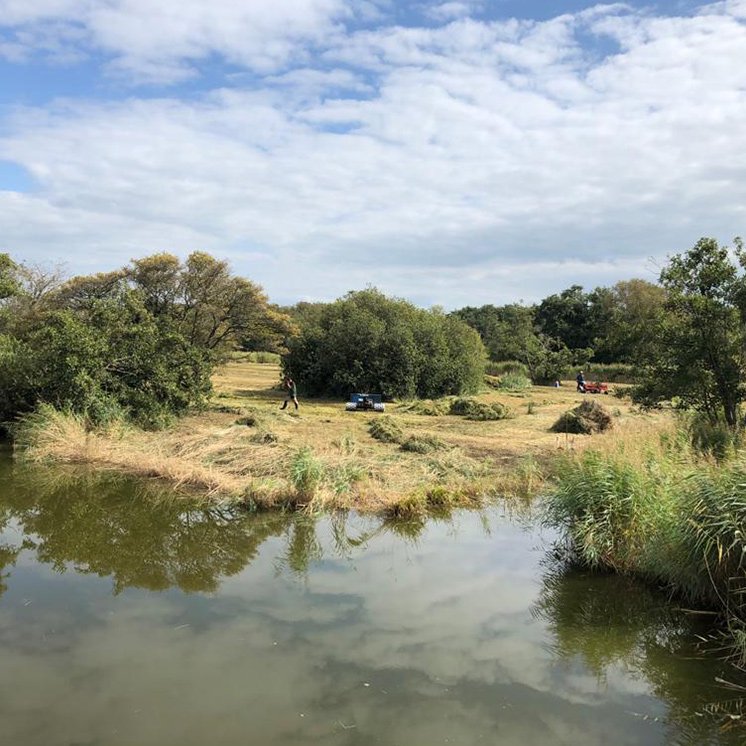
161, 41
505, 155
449, 10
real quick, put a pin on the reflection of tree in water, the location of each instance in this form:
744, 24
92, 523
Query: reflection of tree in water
8, 556
142, 537
108, 527
608, 619
8, 552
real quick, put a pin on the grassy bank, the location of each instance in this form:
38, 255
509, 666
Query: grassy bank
652, 507
244, 448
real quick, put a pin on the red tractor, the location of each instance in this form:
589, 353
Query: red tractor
595, 387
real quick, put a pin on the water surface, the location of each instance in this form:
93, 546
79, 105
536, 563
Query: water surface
129, 619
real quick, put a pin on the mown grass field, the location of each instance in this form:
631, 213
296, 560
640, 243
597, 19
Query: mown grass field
245, 448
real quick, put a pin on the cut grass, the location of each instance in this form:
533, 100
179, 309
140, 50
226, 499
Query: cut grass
257, 463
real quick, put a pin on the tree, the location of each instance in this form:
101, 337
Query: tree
634, 309
9, 283
567, 317
368, 342
699, 357
505, 330
140, 341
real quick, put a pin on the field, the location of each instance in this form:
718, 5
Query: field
245, 448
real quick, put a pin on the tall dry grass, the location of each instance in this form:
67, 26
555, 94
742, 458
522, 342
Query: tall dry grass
258, 467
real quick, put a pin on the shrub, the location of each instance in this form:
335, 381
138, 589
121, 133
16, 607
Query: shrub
506, 368
514, 382
588, 417
712, 438
386, 430
368, 342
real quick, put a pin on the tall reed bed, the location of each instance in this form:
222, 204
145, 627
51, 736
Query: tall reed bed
656, 509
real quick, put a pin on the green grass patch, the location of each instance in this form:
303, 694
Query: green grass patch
664, 516
514, 382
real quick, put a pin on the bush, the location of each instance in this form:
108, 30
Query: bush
606, 372
368, 342
506, 368
712, 438
589, 417
514, 382
386, 430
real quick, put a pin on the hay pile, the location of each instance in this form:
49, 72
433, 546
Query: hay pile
589, 417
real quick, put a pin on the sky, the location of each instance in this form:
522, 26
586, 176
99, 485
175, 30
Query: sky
453, 153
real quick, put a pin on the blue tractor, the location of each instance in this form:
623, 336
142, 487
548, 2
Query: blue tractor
365, 403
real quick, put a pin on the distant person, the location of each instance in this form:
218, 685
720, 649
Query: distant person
556, 384
291, 393
580, 380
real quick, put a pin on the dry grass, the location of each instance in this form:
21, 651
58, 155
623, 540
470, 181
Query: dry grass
323, 456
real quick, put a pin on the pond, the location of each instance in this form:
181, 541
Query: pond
128, 617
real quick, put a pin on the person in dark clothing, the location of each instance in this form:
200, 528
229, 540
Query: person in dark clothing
291, 393
580, 379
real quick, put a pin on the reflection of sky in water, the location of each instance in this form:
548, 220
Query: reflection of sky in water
394, 642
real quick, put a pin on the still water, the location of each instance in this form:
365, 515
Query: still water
128, 619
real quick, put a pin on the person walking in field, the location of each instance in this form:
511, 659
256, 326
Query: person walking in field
580, 380
291, 393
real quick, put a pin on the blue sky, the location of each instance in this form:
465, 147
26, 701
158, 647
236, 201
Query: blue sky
458, 152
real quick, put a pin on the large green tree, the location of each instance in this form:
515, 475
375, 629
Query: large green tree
699, 357
368, 342
634, 308
141, 340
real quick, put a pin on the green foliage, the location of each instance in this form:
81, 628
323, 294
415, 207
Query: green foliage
505, 330
712, 438
368, 342
700, 336
633, 314
514, 382
306, 473
547, 359
506, 368
385, 429
665, 518
9, 283
568, 317
260, 356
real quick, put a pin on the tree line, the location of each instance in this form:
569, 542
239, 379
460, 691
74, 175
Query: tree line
139, 342
142, 341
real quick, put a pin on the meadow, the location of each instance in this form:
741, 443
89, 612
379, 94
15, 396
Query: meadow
415, 457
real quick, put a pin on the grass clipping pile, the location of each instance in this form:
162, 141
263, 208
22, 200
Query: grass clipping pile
587, 418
